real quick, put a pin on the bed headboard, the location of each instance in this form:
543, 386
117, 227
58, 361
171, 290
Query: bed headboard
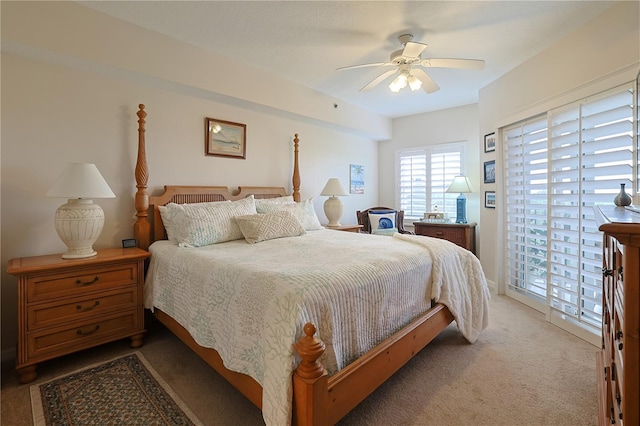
147, 230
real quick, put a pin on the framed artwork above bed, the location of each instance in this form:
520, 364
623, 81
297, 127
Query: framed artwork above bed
225, 138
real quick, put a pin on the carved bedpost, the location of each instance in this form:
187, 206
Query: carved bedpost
296, 170
142, 227
310, 390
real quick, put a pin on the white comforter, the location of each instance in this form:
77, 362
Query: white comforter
250, 301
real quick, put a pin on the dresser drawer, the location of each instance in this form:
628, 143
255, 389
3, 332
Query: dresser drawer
456, 236
83, 334
55, 313
79, 281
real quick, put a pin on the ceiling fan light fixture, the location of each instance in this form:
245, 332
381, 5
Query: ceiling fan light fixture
394, 87
414, 83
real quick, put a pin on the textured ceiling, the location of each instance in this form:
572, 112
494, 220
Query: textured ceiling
305, 41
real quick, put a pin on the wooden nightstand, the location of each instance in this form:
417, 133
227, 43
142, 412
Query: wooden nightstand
65, 305
345, 228
462, 234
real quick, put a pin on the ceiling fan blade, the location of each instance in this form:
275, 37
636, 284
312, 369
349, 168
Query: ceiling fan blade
428, 85
376, 64
413, 49
373, 83
467, 64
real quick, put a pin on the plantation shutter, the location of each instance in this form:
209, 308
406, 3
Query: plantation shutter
592, 153
525, 176
557, 167
424, 176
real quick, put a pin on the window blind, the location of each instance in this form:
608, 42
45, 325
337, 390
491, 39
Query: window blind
557, 167
423, 177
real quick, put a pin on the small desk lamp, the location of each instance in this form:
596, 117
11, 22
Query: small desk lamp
460, 184
79, 222
333, 206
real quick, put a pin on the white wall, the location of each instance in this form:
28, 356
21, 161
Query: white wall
72, 80
598, 56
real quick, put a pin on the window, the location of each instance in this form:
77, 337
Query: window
557, 166
424, 174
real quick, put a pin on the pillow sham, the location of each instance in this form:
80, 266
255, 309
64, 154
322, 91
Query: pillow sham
169, 217
269, 226
202, 224
260, 202
303, 211
383, 222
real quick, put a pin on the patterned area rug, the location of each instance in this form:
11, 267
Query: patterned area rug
123, 391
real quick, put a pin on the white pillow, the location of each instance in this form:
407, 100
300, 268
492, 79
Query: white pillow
167, 217
268, 226
202, 224
383, 222
303, 211
260, 202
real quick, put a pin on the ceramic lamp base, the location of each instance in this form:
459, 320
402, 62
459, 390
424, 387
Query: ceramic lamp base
333, 210
79, 224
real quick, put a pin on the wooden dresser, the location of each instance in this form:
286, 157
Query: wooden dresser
462, 234
618, 363
65, 305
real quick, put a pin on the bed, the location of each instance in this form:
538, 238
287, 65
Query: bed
312, 336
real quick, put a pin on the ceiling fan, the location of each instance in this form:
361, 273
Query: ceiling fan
407, 62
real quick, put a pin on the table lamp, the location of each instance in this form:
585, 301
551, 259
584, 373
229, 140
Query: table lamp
333, 206
79, 222
462, 185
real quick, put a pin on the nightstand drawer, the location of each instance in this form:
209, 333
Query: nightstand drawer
51, 314
456, 236
78, 281
84, 334
461, 234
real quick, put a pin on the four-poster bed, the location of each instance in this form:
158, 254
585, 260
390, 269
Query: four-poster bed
317, 397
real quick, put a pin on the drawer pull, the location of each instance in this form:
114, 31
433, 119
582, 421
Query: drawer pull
79, 307
93, 281
79, 332
439, 233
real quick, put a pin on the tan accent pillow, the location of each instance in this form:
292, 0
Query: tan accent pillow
263, 227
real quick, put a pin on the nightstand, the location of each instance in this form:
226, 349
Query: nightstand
462, 234
345, 228
66, 305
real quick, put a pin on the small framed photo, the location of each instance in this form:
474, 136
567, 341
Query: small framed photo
225, 139
490, 142
490, 199
490, 171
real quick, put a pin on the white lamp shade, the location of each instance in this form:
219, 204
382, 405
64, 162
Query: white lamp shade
80, 180
460, 185
79, 222
334, 187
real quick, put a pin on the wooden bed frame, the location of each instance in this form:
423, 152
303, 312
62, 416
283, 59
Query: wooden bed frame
317, 398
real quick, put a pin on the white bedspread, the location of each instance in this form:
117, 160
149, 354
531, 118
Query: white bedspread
250, 301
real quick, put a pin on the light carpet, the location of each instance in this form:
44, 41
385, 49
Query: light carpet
123, 391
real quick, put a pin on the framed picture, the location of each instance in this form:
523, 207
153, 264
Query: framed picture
356, 179
490, 142
225, 139
490, 199
490, 171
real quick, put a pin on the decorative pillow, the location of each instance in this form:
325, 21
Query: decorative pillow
260, 202
383, 222
268, 226
167, 215
303, 211
202, 224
